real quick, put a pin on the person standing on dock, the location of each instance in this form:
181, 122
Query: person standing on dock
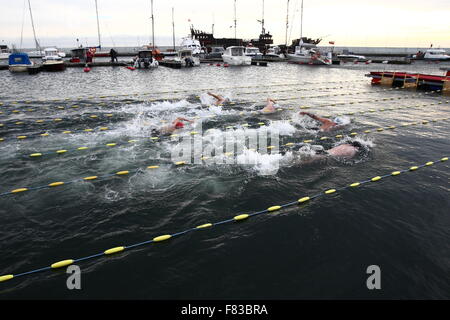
113, 55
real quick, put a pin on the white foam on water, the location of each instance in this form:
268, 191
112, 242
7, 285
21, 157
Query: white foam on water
283, 127
263, 163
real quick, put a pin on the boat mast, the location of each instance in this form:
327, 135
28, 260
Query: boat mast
38, 47
153, 28
262, 21
301, 25
173, 28
98, 26
235, 21
287, 23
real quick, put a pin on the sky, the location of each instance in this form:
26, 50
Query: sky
368, 23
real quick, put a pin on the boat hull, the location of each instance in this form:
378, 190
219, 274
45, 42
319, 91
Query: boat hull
293, 58
18, 68
54, 66
34, 69
237, 60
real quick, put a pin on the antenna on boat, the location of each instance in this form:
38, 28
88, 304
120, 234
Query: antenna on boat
287, 23
153, 27
38, 47
173, 28
98, 26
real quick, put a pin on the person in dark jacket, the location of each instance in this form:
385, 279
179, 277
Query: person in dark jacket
113, 54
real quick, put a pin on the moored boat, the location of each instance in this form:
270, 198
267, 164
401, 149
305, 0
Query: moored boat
186, 58
145, 59
34, 69
235, 56
192, 44
52, 61
351, 58
412, 80
19, 62
4, 52
253, 52
307, 53
436, 54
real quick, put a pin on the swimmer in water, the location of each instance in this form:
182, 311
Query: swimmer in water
219, 99
327, 124
176, 124
344, 151
270, 106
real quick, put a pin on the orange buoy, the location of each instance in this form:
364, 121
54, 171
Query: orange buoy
87, 69
226, 65
218, 64
131, 68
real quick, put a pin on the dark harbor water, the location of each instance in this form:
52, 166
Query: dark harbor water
319, 250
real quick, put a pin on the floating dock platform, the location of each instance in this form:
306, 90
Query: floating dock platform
412, 80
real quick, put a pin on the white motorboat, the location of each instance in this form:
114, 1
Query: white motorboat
235, 56
192, 44
307, 53
52, 61
274, 52
253, 52
145, 60
4, 52
436, 54
352, 58
186, 58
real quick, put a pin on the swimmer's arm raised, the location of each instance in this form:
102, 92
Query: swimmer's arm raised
322, 120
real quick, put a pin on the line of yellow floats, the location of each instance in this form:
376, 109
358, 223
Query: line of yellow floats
237, 218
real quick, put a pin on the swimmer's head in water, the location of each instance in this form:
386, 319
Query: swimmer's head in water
179, 125
357, 145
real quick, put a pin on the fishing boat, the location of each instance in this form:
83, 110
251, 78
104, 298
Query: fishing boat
19, 62
235, 56
52, 61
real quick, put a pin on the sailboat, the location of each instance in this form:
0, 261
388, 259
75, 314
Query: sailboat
308, 53
99, 53
20, 61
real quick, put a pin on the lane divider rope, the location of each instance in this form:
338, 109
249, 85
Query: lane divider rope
237, 218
